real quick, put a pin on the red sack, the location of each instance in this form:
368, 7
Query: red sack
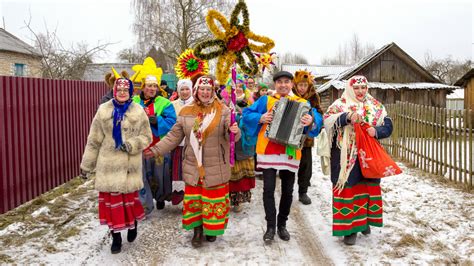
374, 160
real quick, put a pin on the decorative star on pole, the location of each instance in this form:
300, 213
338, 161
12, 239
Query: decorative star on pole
233, 44
265, 60
188, 65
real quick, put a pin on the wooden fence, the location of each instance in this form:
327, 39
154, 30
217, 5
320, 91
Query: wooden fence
44, 128
436, 140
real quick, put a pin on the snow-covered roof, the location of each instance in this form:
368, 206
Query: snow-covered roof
10, 43
457, 94
368, 59
340, 85
318, 71
96, 72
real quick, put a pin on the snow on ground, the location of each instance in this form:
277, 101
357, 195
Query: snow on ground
426, 222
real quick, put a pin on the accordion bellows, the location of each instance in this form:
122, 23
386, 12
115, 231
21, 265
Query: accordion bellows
286, 127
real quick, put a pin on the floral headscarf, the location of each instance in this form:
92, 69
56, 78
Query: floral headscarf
372, 112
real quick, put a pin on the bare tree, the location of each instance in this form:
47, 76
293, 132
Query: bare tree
350, 52
291, 58
59, 62
128, 55
174, 25
446, 69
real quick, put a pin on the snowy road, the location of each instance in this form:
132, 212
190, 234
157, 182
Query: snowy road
425, 222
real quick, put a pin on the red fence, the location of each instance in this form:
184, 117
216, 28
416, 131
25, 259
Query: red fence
44, 125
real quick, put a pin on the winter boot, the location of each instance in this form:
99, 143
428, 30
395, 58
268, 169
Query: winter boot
283, 233
160, 205
304, 199
132, 233
197, 238
116, 243
211, 238
269, 234
350, 240
366, 231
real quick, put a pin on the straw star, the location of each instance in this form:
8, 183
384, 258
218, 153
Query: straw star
233, 44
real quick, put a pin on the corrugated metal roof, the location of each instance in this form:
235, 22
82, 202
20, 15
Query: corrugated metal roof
97, 72
316, 70
340, 85
9, 42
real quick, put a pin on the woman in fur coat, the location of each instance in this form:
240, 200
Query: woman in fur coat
113, 154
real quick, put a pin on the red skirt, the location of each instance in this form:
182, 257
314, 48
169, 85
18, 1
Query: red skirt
119, 211
177, 164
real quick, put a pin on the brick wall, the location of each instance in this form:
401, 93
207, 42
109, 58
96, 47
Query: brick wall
9, 59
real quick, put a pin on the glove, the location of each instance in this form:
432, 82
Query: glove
125, 147
152, 120
83, 174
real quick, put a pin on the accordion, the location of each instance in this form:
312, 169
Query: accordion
286, 127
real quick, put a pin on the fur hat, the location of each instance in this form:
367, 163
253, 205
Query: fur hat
303, 76
110, 78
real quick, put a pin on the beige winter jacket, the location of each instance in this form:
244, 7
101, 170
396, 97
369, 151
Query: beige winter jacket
116, 170
215, 151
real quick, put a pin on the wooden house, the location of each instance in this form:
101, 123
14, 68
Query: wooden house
393, 75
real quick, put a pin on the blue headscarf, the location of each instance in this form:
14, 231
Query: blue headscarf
119, 112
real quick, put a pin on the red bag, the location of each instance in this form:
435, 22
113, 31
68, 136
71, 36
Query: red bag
374, 160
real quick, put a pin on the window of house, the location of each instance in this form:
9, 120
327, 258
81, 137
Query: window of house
19, 70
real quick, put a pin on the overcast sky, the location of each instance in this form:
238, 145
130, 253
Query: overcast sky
314, 29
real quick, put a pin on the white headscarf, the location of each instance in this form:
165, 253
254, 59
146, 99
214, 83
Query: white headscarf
185, 83
372, 112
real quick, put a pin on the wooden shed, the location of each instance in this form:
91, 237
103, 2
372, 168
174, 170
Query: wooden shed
467, 82
393, 76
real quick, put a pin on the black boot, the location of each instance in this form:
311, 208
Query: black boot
305, 199
269, 234
197, 238
116, 243
211, 238
366, 231
283, 233
160, 205
350, 240
132, 233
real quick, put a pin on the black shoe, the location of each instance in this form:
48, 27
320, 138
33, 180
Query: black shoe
283, 233
132, 233
366, 231
197, 238
305, 199
350, 240
269, 235
116, 243
211, 238
160, 205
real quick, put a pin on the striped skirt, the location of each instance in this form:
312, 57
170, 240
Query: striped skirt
119, 211
357, 207
208, 207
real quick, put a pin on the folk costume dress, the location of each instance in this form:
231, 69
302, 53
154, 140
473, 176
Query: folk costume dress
357, 201
177, 154
206, 170
113, 154
156, 171
273, 157
242, 180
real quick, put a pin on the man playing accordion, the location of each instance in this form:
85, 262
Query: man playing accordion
273, 157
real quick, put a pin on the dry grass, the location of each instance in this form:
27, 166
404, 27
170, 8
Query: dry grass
408, 240
5, 259
67, 233
23, 212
